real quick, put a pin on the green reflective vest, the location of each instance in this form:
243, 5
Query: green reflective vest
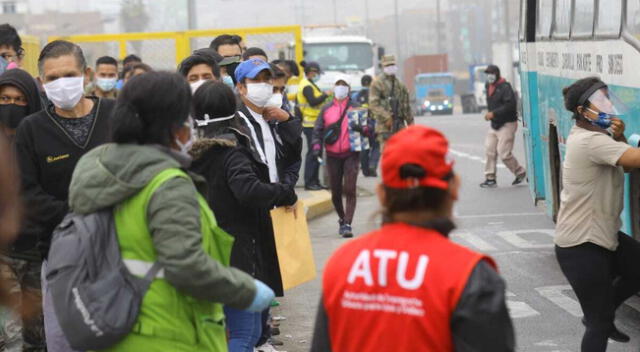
168, 319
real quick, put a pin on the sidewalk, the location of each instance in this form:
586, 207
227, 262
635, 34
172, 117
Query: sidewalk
300, 304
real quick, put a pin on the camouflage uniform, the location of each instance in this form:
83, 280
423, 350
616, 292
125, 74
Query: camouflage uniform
22, 278
380, 104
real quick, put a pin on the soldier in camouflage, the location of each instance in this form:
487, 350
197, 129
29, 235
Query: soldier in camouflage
389, 101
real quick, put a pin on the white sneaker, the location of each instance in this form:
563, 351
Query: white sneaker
267, 347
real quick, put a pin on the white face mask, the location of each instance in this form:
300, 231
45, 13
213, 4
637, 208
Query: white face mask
341, 92
259, 93
65, 92
390, 70
195, 85
275, 100
491, 78
106, 84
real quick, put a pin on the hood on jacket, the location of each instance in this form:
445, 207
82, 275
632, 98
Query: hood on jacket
26, 84
111, 173
201, 146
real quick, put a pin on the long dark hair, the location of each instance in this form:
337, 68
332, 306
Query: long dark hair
150, 108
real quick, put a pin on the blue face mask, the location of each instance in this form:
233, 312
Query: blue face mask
603, 121
228, 81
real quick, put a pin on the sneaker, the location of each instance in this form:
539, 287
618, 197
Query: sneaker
267, 347
346, 231
615, 334
519, 179
489, 184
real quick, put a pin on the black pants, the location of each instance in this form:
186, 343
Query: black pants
343, 175
369, 158
602, 280
311, 165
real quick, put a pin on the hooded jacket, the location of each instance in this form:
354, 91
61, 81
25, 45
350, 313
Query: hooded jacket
110, 174
27, 85
241, 196
502, 103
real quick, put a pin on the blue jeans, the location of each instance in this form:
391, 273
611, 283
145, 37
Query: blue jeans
245, 329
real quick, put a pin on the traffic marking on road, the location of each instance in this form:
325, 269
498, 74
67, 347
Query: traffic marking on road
464, 155
475, 241
518, 310
517, 239
556, 294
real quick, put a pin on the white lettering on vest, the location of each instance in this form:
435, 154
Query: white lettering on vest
361, 268
384, 255
401, 273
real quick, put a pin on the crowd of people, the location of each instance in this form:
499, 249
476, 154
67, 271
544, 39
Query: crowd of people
190, 163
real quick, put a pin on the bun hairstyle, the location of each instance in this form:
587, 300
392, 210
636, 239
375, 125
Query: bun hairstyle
150, 108
573, 93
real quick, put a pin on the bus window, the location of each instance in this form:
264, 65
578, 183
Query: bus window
545, 9
609, 18
563, 18
583, 18
633, 17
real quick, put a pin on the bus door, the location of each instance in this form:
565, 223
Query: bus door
531, 124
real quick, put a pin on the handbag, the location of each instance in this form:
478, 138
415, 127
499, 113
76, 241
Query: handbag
333, 131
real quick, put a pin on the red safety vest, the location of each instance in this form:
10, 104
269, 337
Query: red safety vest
395, 290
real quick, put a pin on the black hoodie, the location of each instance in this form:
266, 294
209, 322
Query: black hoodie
27, 85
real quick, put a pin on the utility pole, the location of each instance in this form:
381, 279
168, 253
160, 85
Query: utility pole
438, 32
397, 29
366, 17
192, 21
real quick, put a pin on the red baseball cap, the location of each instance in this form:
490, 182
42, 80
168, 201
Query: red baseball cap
421, 146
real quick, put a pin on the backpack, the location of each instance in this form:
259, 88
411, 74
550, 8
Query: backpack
95, 298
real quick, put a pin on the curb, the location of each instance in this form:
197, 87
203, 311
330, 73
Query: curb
317, 204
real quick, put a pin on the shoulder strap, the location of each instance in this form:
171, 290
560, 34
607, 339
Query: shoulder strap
344, 112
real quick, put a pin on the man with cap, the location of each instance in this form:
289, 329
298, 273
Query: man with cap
274, 131
389, 101
310, 100
503, 114
406, 286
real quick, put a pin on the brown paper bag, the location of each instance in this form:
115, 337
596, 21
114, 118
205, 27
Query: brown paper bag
293, 244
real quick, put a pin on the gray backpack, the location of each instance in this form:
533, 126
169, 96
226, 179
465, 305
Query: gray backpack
95, 298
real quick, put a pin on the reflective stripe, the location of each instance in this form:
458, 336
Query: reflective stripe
141, 268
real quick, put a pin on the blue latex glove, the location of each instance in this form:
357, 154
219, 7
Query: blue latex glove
263, 298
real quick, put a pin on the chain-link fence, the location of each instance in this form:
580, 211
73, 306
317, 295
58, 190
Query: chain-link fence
164, 51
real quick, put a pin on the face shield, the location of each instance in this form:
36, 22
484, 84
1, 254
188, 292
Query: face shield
601, 105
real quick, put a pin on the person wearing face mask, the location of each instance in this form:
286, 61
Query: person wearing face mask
309, 102
343, 155
19, 98
199, 68
162, 216
106, 78
274, 132
503, 114
389, 101
601, 263
50, 142
20, 271
241, 194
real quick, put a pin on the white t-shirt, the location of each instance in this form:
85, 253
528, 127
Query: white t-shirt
593, 195
268, 153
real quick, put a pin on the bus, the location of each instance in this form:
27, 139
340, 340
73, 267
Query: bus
434, 93
561, 41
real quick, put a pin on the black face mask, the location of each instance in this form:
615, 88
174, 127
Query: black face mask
11, 115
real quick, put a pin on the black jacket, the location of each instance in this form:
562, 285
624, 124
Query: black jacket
47, 157
241, 196
503, 104
288, 136
480, 321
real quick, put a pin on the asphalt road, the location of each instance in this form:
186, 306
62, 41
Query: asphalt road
501, 222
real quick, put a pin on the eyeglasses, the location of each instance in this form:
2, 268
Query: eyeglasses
5, 100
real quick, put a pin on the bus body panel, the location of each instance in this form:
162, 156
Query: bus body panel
559, 64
